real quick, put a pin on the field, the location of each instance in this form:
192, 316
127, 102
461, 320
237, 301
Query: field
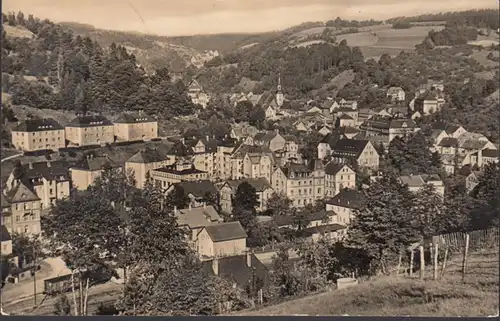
480, 56
17, 31
476, 295
376, 40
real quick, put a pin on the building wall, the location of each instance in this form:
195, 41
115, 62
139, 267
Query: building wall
25, 218
277, 143
225, 201
40, 140
369, 158
82, 179
223, 162
141, 169
94, 135
305, 190
165, 180
230, 248
136, 131
6, 248
324, 150
343, 179
344, 214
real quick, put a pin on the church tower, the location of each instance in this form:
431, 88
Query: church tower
279, 95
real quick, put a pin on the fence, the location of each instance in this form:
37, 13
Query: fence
478, 240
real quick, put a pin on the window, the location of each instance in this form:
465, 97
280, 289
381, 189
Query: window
18, 218
26, 229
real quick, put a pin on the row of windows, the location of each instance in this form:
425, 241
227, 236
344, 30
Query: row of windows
26, 217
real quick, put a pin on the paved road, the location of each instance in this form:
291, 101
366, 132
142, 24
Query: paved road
10, 157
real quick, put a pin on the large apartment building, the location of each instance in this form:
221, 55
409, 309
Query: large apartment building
89, 130
178, 172
144, 161
388, 128
135, 127
38, 134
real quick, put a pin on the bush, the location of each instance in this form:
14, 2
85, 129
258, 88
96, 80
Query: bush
62, 306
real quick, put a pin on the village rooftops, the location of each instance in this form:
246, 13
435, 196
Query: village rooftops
53, 170
172, 169
346, 198
448, 128
22, 192
147, 156
292, 169
259, 184
133, 118
4, 234
90, 121
321, 229
226, 231
448, 142
37, 125
197, 217
332, 138
346, 117
384, 122
350, 146
418, 180
198, 188
332, 168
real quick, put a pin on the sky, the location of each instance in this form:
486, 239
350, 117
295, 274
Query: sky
188, 17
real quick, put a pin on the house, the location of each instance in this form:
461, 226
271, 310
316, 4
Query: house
6, 217
345, 121
388, 127
205, 155
129, 127
271, 113
89, 130
472, 180
228, 191
199, 192
347, 132
454, 131
447, 146
429, 102
50, 181
416, 182
337, 177
142, 162
260, 155
487, 156
220, 240
361, 151
469, 143
222, 168
84, 173
178, 172
38, 134
194, 219
197, 95
328, 142
348, 111
270, 139
242, 131
301, 126
245, 271
397, 94
6, 241
301, 183
331, 232
345, 204
26, 208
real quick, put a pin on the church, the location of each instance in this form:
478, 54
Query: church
273, 108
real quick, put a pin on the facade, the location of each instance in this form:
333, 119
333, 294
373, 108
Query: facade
345, 121
271, 139
144, 161
50, 181
429, 102
228, 189
88, 170
194, 219
301, 183
220, 240
356, 150
416, 182
396, 94
130, 127
38, 134
166, 176
26, 209
388, 127
197, 95
344, 204
337, 177
89, 130
252, 162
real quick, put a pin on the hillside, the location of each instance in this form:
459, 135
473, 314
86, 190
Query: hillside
389, 296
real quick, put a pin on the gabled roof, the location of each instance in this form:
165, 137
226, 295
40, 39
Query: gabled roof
173, 169
4, 234
198, 188
95, 163
226, 231
37, 125
194, 86
260, 184
490, 153
266, 137
236, 269
346, 117
133, 118
22, 192
350, 146
347, 198
448, 142
4, 201
147, 156
54, 170
472, 144
412, 180
333, 168
292, 168
90, 121
197, 217
332, 138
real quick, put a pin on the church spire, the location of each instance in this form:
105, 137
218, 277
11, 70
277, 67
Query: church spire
279, 82
279, 95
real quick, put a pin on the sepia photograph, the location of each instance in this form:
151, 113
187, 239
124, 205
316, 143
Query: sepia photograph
250, 158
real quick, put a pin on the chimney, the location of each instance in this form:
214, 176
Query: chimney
249, 258
205, 205
190, 206
175, 209
30, 165
48, 164
207, 138
215, 265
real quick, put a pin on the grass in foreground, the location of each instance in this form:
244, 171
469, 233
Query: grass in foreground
391, 296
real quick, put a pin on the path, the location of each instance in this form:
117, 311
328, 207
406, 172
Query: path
10, 157
17, 292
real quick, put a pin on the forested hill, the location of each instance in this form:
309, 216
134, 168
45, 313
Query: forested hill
76, 73
485, 18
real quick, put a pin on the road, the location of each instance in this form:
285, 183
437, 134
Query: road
10, 157
12, 293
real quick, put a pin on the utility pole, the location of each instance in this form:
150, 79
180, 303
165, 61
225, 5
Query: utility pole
33, 269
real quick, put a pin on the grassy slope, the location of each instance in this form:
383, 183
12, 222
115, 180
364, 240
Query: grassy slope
477, 296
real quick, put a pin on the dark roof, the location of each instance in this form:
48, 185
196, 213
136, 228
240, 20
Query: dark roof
95, 163
49, 170
350, 146
198, 188
132, 118
346, 130
290, 168
333, 168
448, 142
448, 128
180, 149
332, 138
22, 192
283, 220
236, 269
346, 117
260, 184
266, 137
491, 153
4, 234
226, 231
324, 228
89, 121
173, 170
148, 155
37, 125
4, 201
346, 198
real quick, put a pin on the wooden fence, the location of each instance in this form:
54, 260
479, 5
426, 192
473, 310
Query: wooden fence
478, 240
